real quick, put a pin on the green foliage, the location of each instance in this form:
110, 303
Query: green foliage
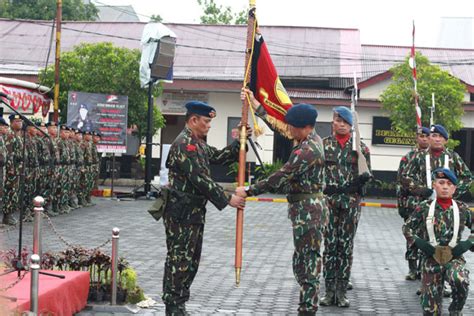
268, 169
104, 68
156, 18
398, 98
72, 10
471, 189
217, 14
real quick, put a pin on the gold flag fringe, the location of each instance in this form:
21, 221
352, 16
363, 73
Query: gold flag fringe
280, 126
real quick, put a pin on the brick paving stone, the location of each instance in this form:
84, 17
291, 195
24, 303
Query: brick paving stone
267, 284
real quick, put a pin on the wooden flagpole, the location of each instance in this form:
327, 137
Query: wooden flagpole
243, 142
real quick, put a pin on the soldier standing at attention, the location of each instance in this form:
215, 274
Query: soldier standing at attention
31, 171
4, 130
44, 159
411, 255
14, 168
344, 188
64, 156
436, 228
303, 176
89, 165
413, 177
191, 186
72, 168
54, 178
96, 136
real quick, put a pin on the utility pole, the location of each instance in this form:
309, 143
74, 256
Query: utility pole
59, 9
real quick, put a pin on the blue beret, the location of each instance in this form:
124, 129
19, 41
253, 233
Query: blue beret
14, 116
424, 130
3, 122
443, 173
344, 113
200, 108
440, 130
301, 115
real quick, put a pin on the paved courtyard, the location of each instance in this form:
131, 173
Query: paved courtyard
267, 284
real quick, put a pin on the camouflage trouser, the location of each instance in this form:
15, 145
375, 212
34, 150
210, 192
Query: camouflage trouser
90, 182
2, 185
184, 244
45, 183
11, 198
339, 238
404, 210
82, 186
31, 177
62, 191
308, 218
432, 281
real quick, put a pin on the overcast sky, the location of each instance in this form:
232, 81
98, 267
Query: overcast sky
379, 21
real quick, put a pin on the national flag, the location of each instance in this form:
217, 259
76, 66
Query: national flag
412, 63
267, 87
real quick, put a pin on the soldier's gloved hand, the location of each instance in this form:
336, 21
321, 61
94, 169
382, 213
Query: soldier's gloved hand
424, 246
403, 212
461, 248
424, 192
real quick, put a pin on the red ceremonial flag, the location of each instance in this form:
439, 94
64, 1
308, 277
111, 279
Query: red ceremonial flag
267, 87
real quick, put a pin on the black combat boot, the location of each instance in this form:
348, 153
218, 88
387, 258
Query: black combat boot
412, 270
175, 310
330, 296
341, 289
455, 313
349, 285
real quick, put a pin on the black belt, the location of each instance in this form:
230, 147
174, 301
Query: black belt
297, 197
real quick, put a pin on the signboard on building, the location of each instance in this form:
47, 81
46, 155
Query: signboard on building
173, 103
384, 134
103, 113
25, 100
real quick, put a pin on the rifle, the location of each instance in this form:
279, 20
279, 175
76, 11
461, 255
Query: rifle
361, 161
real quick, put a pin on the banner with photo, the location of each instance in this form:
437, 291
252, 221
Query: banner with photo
103, 113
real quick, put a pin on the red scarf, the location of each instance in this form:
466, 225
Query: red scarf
444, 203
437, 152
343, 139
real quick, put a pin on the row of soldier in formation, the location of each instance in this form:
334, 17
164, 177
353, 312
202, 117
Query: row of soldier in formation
434, 219
57, 162
323, 180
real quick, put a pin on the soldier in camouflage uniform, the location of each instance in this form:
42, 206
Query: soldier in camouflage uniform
89, 161
44, 158
95, 140
302, 176
344, 191
191, 186
83, 175
436, 228
31, 171
62, 191
52, 205
413, 177
13, 170
72, 168
4, 130
411, 255
79, 171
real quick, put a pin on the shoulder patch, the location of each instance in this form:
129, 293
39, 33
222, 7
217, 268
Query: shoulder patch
297, 152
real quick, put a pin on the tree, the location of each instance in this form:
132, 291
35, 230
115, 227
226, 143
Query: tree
217, 14
398, 98
72, 10
104, 68
156, 18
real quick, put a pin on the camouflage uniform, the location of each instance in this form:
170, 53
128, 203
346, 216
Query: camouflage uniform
13, 169
343, 196
45, 174
411, 254
31, 175
191, 186
62, 191
72, 173
302, 177
54, 176
92, 174
86, 154
413, 178
433, 274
